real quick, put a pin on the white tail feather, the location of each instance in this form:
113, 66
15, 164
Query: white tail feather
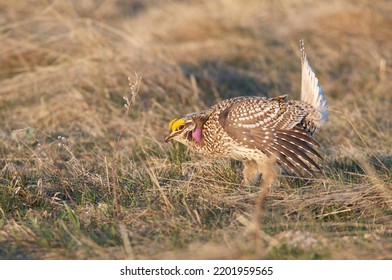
311, 91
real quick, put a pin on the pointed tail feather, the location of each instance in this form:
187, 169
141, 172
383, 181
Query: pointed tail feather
311, 91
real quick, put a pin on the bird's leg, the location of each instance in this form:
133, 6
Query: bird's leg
251, 173
268, 170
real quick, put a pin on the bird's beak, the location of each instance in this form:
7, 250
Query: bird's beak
169, 137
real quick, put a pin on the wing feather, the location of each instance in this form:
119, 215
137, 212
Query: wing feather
299, 152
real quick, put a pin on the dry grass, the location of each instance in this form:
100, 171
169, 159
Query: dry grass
81, 176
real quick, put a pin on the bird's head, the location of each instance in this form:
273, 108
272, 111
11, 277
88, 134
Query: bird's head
186, 130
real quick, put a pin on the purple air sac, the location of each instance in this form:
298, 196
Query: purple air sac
196, 135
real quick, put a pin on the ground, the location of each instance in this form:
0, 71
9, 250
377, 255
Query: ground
84, 177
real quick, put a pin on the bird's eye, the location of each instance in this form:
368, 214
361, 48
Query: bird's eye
180, 127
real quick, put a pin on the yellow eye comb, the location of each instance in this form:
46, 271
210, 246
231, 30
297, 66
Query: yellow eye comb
174, 124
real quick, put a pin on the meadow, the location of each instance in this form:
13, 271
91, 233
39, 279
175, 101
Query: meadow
84, 170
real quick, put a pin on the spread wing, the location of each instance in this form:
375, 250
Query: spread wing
272, 126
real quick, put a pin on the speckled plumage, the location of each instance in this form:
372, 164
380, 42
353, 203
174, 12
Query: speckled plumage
253, 129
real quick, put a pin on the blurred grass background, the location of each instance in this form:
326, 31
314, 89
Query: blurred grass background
82, 178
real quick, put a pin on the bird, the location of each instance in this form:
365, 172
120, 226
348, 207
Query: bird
256, 129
